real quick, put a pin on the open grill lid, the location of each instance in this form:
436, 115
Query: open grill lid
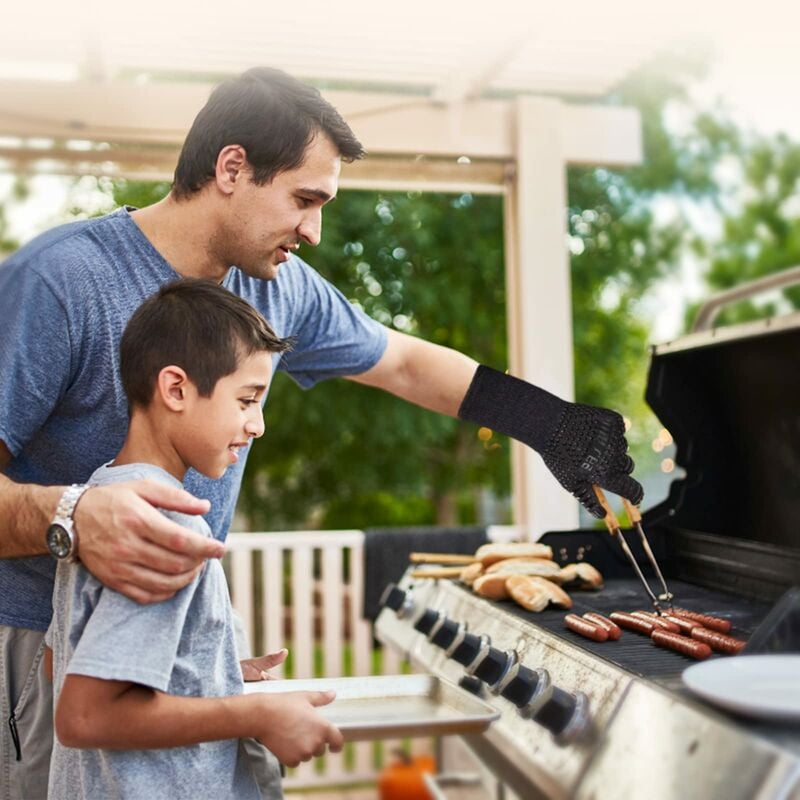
730, 397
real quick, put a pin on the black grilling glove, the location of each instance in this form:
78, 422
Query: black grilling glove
579, 444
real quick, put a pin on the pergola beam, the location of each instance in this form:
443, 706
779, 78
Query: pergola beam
387, 124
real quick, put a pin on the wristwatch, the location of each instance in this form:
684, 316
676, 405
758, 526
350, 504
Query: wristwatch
62, 538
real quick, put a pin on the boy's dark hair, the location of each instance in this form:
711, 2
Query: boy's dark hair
194, 324
272, 115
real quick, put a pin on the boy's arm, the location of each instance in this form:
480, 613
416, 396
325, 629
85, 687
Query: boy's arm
119, 715
124, 540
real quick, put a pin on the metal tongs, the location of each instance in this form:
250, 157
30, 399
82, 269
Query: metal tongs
616, 531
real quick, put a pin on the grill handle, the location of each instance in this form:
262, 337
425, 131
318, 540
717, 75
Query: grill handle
707, 313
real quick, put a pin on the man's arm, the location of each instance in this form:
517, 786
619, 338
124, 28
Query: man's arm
123, 540
89, 711
426, 374
581, 445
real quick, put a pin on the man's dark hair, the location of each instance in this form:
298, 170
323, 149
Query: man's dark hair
196, 325
272, 115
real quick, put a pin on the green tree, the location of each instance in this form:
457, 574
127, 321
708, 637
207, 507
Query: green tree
426, 264
761, 232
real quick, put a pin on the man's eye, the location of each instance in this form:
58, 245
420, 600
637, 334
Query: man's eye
303, 202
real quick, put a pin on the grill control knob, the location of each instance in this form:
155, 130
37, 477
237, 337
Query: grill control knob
468, 650
445, 635
556, 713
519, 684
402, 603
393, 597
471, 684
426, 621
565, 715
493, 666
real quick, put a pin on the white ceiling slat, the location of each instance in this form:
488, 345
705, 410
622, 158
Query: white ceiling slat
443, 48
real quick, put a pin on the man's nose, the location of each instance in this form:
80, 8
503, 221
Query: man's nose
310, 228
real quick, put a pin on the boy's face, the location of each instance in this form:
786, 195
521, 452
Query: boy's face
217, 428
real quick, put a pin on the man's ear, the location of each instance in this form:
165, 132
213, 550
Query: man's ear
231, 167
172, 387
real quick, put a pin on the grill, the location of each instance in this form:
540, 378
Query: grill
581, 719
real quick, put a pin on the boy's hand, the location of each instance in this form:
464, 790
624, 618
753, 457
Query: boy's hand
255, 669
291, 728
128, 545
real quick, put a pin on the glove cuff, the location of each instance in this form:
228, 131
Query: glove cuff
511, 406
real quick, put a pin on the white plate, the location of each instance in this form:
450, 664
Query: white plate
761, 686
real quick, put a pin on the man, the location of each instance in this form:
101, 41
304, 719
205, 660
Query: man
260, 162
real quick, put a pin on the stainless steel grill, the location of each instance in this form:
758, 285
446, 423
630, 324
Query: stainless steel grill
581, 719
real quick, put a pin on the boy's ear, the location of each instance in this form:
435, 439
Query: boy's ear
172, 386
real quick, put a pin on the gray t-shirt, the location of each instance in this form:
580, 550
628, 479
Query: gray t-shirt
65, 299
182, 646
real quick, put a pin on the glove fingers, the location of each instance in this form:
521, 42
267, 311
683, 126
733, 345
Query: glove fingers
625, 464
625, 486
589, 501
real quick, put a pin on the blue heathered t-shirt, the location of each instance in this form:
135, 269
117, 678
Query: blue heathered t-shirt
65, 299
184, 646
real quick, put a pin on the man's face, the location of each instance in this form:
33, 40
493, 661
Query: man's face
218, 428
265, 223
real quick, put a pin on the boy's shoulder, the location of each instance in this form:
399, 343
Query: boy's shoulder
108, 474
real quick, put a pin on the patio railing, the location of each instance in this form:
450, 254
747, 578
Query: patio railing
304, 590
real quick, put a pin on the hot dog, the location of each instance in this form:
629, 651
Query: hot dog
713, 623
685, 625
659, 622
718, 641
681, 644
632, 623
585, 628
611, 628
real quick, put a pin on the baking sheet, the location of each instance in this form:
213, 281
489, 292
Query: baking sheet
389, 706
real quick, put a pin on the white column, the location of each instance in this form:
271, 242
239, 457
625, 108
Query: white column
539, 298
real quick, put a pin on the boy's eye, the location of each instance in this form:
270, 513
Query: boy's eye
304, 202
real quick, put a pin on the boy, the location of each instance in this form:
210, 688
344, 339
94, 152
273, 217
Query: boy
149, 697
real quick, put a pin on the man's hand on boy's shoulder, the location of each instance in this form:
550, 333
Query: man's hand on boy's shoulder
255, 669
130, 546
290, 726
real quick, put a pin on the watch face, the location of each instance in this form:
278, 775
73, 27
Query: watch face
59, 542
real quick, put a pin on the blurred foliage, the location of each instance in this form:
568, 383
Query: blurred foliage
343, 455
8, 244
426, 264
761, 229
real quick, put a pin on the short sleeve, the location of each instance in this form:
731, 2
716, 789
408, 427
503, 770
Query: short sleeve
125, 641
35, 357
333, 337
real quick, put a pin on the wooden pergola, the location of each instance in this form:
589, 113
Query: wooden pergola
445, 97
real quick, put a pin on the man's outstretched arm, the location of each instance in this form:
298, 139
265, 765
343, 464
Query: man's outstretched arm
581, 445
123, 539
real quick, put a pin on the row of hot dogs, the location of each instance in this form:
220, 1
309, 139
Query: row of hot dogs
687, 632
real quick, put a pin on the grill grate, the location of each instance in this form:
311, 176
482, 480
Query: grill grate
634, 652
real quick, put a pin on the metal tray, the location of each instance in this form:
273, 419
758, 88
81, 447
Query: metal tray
388, 706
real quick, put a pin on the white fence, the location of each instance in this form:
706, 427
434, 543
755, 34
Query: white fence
304, 590
283, 604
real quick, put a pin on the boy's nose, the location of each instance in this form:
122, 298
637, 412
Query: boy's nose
255, 425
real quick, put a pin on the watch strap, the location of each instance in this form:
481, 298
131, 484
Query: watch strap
65, 511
